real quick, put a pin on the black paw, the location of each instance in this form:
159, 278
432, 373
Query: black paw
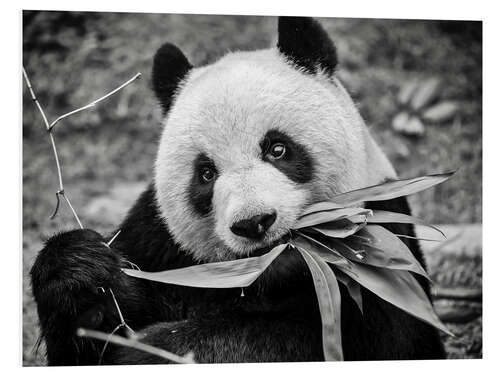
71, 272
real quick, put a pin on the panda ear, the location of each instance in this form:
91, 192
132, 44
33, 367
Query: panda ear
306, 44
170, 66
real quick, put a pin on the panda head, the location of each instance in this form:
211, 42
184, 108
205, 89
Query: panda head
253, 138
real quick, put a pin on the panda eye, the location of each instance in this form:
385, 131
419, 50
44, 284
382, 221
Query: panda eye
276, 151
207, 174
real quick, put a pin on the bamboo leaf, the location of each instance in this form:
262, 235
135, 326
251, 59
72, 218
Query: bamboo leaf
308, 220
381, 192
398, 288
328, 293
339, 229
313, 246
353, 288
230, 274
321, 206
417, 238
380, 216
375, 246
381, 249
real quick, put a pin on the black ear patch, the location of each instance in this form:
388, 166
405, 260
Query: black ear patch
170, 66
304, 41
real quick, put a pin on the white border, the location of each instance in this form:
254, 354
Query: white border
423, 9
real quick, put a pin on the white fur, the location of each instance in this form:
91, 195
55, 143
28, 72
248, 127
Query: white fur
241, 193
224, 110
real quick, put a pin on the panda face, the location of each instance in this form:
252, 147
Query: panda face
248, 142
227, 159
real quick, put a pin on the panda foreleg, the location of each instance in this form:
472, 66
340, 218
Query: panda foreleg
230, 337
72, 279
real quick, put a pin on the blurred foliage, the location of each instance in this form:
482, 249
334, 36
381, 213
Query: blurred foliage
73, 58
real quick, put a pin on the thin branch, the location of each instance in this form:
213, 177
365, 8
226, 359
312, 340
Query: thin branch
60, 192
135, 344
114, 238
58, 165
71, 208
92, 104
101, 356
130, 332
58, 203
35, 99
49, 127
122, 321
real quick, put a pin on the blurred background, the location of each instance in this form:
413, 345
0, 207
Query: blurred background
417, 83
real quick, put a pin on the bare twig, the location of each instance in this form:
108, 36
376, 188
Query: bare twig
130, 332
119, 340
92, 104
114, 238
49, 127
101, 356
60, 192
71, 208
35, 99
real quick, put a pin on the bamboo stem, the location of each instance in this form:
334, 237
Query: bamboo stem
131, 343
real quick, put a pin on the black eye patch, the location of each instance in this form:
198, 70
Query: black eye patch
296, 163
200, 191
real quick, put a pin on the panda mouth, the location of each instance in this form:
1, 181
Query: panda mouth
264, 250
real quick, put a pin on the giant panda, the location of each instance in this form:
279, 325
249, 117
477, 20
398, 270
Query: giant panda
248, 142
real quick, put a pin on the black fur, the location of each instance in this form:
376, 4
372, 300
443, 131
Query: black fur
277, 320
170, 67
297, 164
306, 44
200, 192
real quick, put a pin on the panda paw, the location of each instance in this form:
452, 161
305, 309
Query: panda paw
71, 271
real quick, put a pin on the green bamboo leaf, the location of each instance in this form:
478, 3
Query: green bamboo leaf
398, 288
329, 299
329, 216
231, 274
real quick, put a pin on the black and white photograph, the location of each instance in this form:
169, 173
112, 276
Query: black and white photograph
217, 188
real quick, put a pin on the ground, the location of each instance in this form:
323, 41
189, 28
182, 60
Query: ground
107, 152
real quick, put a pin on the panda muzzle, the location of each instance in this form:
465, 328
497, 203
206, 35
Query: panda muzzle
255, 227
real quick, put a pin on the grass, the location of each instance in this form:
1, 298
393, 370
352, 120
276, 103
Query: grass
73, 58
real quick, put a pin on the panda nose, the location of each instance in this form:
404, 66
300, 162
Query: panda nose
255, 227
